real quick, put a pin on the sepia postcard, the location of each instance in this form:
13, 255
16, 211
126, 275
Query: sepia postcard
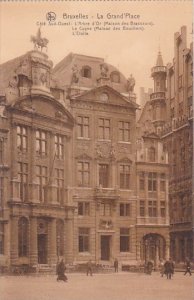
96, 150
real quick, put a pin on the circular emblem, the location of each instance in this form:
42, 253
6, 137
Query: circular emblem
51, 16
104, 97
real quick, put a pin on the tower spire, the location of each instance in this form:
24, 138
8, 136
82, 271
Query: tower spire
159, 61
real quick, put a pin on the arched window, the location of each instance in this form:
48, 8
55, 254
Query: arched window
23, 237
115, 77
86, 72
60, 238
151, 154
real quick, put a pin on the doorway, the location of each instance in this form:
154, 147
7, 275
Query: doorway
105, 247
42, 248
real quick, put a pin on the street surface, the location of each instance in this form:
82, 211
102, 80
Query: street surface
120, 286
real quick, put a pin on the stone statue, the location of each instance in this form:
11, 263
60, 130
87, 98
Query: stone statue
130, 83
104, 70
38, 41
75, 74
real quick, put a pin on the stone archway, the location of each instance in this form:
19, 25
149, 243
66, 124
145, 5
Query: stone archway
153, 247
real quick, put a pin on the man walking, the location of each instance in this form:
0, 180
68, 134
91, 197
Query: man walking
116, 265
89, 268
188, 267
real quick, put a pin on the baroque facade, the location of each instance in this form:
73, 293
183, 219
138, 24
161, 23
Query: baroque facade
78, 178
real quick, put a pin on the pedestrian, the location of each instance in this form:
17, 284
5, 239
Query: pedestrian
116, 265
161, 266
169, 268
61, 271
149, 267
187, 267
89, 268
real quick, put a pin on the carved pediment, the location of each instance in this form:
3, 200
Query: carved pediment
45, 107
107, 95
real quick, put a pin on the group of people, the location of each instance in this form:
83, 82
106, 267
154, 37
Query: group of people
166, 268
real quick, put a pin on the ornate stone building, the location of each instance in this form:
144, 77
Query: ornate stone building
177, 136
103, 156
72, 184
35, 149
169, 114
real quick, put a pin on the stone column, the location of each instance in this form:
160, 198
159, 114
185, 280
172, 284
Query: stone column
146, 194
14, 239
69, 233
7, 241
33, 241
53, 242
167, 250
157, 255
33, 183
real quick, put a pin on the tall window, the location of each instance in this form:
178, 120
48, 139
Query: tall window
83, 127
1, 192
105, 209
152, 208
84, 239
162, 182
103, 175
142, 181
23, 237
142, 208
104, 129
60, 238
41, 174
124, 131
83, 173
22, 142
41, 143
23, 180
1, 238
83, 208
162, 209
1, 151
152, 181
124, 176
59, 147
151, 154
124, 240
124, 209
59, 180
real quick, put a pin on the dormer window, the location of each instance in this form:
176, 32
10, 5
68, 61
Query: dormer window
86, 72
115, 77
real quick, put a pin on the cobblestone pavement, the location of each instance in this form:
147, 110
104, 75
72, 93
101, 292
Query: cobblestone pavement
120, 286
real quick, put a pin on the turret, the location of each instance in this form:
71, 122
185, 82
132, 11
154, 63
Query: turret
157, 98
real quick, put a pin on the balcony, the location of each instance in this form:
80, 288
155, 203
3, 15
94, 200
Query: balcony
157, 96
106, 193
151, 221
174, 124
158, 70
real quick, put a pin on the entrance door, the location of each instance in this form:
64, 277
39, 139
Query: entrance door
42, 248
105, 247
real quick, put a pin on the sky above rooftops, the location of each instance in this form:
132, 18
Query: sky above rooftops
132, 52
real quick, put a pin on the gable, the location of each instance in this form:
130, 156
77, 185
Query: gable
46, 107
106, 95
